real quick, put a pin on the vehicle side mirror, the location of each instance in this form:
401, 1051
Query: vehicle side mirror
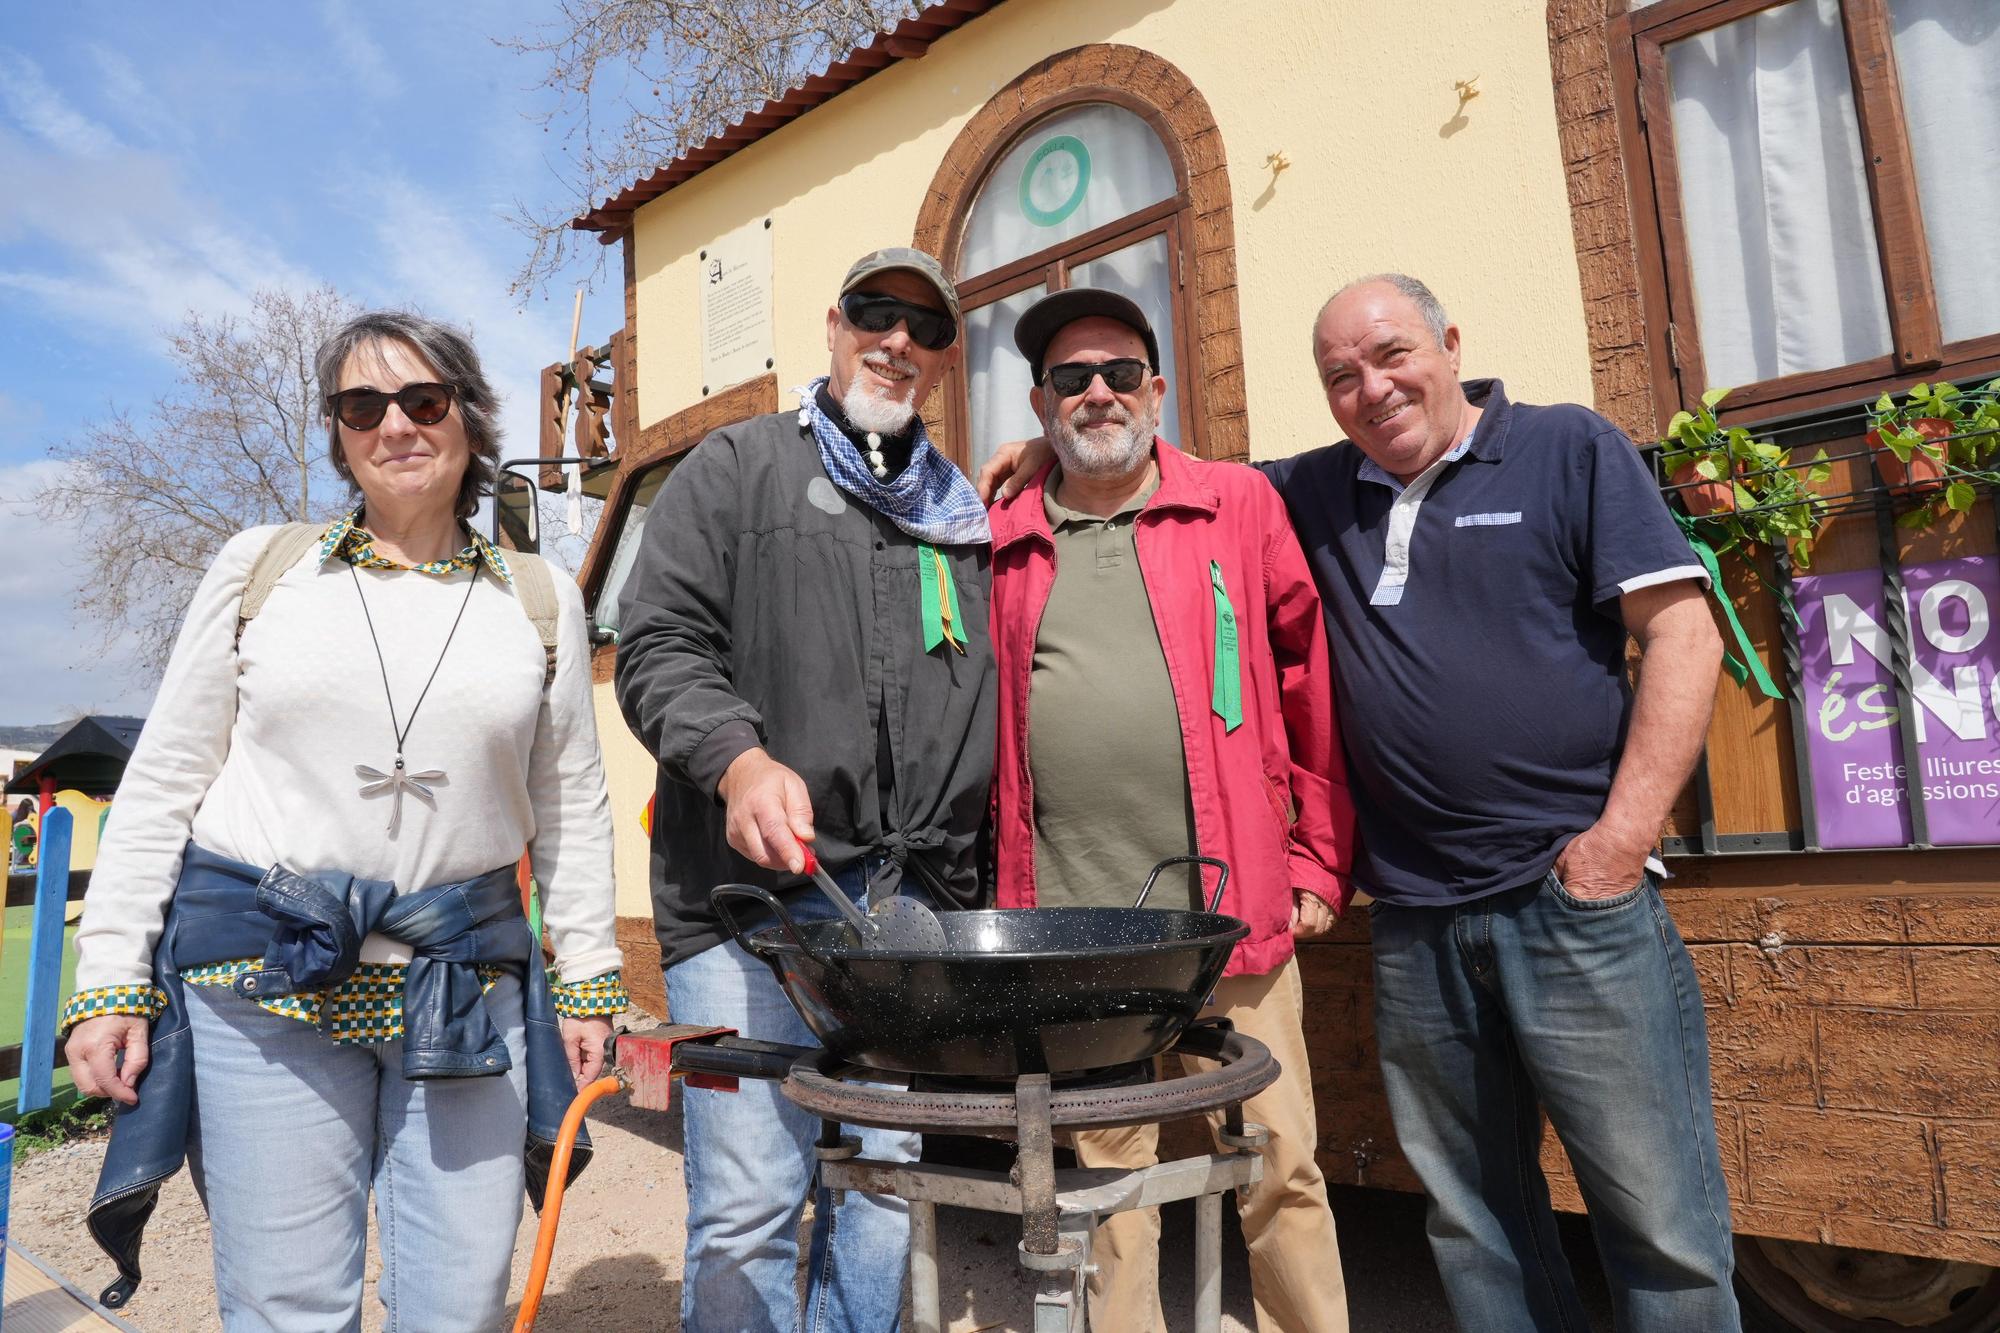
515, 523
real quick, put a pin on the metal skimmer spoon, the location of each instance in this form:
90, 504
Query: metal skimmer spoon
898, 922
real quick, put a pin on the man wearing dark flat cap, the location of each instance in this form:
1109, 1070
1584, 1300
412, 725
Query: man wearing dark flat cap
1165, 691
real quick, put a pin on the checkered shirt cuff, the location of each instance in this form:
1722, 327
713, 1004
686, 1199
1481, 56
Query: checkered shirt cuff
143, 1000
599, 997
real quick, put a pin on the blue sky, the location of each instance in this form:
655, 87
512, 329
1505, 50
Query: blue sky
160, 158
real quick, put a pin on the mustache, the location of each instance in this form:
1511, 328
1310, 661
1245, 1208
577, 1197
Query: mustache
881, 360
1086, 417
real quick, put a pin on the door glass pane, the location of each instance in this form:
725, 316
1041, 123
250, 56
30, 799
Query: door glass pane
1067, 175
1143, 273
622, 555
997, 380
1948, 57
1787, 276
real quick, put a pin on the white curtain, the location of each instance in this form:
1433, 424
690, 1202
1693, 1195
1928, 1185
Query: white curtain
1787, 275
997, 375
1067, 175
1141, 272
1948, 57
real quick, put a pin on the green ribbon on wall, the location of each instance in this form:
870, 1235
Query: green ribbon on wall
1745, 663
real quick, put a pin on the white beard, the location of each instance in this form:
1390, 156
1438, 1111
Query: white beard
869, 410
1109, 448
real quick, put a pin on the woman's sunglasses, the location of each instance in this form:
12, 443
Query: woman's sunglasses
873, 312
363, 409
1074, 377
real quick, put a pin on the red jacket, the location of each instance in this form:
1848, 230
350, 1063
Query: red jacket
1245, 783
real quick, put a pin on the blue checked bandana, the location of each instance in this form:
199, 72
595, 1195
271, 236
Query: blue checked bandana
930, 499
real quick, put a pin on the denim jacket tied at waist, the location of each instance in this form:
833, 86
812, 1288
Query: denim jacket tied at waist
308, 931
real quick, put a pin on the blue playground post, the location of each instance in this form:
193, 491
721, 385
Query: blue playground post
6, 1189
38, 1027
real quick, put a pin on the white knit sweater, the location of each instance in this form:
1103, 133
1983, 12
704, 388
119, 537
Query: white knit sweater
250, 751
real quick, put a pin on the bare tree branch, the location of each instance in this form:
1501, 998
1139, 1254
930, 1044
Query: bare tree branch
638, 82
156, 497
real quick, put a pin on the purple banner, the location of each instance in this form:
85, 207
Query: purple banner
1851, 713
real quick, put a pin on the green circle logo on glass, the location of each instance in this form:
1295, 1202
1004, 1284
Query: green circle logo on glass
1055, 180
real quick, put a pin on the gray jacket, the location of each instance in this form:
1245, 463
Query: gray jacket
767, 607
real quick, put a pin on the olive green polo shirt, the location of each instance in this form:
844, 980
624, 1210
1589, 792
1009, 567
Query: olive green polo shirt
1104, 736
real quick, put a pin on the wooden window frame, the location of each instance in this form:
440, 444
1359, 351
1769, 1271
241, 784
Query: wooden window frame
1197, 220
1637, 40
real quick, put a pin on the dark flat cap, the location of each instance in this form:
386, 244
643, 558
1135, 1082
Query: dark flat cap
1040, 322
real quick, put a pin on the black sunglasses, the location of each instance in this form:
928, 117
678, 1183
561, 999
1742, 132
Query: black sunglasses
363, 409
874, 312
1074, 377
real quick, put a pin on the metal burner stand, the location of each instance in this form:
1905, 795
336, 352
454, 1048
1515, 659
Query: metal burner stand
1058, 1209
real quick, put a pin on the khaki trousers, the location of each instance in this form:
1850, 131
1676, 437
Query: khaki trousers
1295, 1276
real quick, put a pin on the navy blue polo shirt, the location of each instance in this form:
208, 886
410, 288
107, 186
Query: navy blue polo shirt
1478, 650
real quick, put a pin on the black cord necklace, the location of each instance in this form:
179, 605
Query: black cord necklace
397, 781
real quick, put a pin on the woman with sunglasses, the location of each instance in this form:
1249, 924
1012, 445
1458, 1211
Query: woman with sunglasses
303, 958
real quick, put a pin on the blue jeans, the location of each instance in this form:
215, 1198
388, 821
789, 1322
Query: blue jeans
293, 1130
749, 1163
1491, 1011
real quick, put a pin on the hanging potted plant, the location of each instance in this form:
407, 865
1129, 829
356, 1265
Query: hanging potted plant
1700, 459
1741, 490
1953, 463
1909, 441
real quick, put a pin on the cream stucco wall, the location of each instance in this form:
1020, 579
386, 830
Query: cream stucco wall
1356, 93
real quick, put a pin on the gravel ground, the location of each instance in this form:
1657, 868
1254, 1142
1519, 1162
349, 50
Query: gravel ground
618, 1257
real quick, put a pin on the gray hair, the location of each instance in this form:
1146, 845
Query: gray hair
456, 361
1420, 296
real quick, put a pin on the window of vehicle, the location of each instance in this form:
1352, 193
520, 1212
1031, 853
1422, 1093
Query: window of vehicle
1824, 175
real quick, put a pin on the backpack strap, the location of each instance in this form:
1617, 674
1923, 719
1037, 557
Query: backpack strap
536, 591
280, 553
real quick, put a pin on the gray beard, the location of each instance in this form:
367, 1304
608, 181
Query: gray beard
871, 412
1098, 455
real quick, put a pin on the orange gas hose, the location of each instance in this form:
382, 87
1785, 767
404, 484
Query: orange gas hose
545, 1237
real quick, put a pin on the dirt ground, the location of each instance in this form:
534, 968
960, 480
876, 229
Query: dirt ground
618, 1256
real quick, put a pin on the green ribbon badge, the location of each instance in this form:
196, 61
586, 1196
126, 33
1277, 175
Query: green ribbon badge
939, 598
1744, 663
1228, 701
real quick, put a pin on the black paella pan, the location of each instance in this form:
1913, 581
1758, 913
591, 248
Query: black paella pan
1032, 990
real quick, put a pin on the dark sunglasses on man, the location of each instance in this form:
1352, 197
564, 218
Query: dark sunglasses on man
1073, 377
363, 409
878, 312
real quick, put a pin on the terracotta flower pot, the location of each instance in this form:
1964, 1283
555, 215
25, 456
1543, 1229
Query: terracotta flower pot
1924, 471
1702, 496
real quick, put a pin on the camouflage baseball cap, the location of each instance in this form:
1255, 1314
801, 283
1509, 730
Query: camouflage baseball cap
902, 257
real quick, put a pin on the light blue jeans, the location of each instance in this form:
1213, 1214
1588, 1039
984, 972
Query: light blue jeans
750, 1162
1491, 1011
292, 1131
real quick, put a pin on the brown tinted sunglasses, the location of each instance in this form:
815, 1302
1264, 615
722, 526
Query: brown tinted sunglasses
363, 409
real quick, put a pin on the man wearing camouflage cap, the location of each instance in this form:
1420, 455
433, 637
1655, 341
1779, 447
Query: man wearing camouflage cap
804, 648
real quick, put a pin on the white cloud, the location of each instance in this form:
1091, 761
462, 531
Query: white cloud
34, 105
133, 103
365, 59
56, 665
142, 249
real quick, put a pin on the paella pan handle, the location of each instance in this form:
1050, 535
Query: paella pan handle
719, 899
1221, 878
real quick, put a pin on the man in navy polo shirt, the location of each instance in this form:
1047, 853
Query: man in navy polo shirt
1482, 563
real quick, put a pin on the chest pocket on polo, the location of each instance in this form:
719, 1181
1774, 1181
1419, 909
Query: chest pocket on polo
1227, 700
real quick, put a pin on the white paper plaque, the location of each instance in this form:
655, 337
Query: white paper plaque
736, 307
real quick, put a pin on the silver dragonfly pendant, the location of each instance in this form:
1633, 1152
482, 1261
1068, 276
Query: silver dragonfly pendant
374, 782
